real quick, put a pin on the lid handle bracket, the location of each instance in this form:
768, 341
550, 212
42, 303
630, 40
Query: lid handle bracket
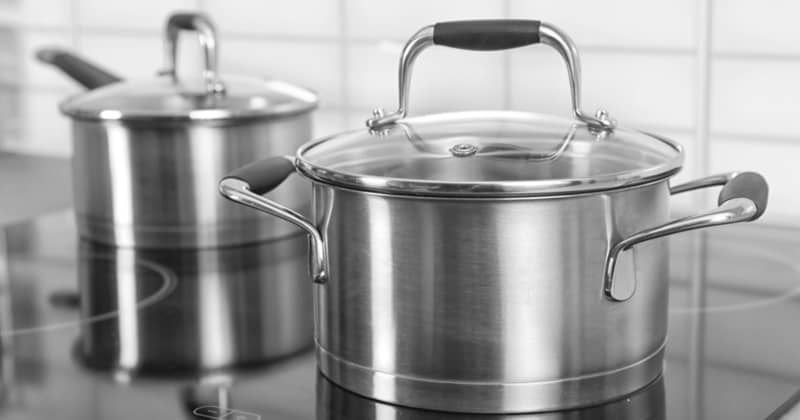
206, 32
490, 35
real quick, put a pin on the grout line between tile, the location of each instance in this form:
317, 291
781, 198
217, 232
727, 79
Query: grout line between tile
703, 90
344, 66
698, 269
73, 17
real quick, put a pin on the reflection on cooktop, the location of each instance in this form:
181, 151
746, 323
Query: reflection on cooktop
152, 284
336, 403
227, 307
227, 332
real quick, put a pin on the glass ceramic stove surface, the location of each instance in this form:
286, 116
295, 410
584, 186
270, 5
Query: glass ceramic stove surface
93, 332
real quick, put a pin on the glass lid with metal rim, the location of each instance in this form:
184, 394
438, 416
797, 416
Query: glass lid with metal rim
490, 152
210, 97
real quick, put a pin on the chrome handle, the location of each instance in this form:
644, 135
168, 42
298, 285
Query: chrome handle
201, 24
742, 199
245, 186
489, 35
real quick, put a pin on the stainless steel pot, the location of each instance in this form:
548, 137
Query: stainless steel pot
168, 312
471, 261
146, 152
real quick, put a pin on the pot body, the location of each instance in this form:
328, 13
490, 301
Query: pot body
190, 311
489, 305
153, 184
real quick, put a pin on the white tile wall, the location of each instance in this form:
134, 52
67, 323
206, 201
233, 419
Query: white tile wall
640, 62
316, 65
745, 26
442, 79
42, 13
637, 89
296, 17
400, 19
756, 97
146, 15
618, 23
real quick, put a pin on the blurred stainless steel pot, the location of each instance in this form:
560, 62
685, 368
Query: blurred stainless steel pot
147, 155
191, 311
468, 261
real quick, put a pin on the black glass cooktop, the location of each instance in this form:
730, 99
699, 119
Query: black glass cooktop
93, 332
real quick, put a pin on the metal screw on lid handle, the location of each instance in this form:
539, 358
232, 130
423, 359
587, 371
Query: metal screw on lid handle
490, 35
201, 24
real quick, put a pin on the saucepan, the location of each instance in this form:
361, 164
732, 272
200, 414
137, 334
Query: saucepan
145, 152
492, 261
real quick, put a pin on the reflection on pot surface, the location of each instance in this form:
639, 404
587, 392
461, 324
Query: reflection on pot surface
217, 308
335, 403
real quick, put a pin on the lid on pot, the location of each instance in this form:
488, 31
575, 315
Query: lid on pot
490, 153
210, 97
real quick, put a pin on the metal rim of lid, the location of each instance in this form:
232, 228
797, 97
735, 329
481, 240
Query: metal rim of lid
310, 103
490, 189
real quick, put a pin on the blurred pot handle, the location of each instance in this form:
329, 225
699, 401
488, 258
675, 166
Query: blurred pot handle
207, 35
743, 199
89, 75
247, 185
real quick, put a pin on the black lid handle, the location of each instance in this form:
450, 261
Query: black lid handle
486, 35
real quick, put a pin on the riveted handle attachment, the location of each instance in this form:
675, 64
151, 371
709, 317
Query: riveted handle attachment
490, 35
200, 23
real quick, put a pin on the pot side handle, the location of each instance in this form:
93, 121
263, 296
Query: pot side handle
246, 186
743, 198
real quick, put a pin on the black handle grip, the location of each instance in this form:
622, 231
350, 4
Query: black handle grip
748, 185
265, 175
487, 35
84, 72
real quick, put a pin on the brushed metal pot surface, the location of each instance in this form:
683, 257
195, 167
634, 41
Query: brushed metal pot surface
488, 305
192, 311
147, 185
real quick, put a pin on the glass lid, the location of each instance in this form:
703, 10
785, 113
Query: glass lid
490, 153
208, 96
171, 99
